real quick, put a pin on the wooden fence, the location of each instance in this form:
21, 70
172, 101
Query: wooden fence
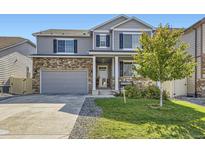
20, 85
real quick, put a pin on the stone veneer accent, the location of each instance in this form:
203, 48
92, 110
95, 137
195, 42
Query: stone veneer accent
61, 63
200, 85
139, 81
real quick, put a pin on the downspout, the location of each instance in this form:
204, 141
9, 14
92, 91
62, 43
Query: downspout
202, 51
201, 58
195, 62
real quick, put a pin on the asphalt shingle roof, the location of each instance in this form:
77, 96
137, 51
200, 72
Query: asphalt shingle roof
63, 32
9, 41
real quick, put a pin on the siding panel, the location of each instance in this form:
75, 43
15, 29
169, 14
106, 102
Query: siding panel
14, 65
189, 38
133, 24
45, 45
111, 24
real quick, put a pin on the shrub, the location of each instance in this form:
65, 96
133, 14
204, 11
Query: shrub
133, 92
151, 92
154, 92
165, 95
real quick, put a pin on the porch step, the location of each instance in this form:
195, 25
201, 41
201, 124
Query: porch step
106, 92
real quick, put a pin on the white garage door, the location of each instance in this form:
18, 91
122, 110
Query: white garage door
64, 82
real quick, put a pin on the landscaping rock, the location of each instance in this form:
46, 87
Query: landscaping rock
87, 118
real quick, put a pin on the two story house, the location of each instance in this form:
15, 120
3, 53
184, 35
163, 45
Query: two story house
15, 62
87, 61
195, 37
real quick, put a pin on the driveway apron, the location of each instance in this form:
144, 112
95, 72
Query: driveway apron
39, 116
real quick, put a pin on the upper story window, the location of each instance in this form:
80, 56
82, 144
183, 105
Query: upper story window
129, 41
65, 46
102, 40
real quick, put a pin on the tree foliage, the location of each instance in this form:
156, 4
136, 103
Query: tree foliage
163, 56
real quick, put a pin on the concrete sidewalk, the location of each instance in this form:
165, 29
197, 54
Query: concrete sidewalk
4, 96
39, 116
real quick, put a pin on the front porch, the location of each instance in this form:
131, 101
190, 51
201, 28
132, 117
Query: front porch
108, 73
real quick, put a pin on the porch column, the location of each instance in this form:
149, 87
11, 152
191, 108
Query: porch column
116, 74
113, 67
94, 73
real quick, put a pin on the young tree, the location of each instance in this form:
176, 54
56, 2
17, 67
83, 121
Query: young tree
163, 57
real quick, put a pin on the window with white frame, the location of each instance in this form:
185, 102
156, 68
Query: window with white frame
128, 69
131, 40
65, 46
102, 40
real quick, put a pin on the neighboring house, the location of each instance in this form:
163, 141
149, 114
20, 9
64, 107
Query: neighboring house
14, 60
195, 37
87, 61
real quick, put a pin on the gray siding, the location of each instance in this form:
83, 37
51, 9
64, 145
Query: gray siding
45, 45
111, 24
13, 62
189, 38
133, 24
117, 40
14, 65
203, 48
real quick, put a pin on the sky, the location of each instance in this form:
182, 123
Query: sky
25, 25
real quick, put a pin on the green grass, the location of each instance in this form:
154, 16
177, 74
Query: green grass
139, 118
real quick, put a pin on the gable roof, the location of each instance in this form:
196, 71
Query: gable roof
136, 19
7, 42
195, 25
108, 21
63, 32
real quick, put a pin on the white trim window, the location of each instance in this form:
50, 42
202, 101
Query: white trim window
128, 69
65, 46
131, 40
103, 41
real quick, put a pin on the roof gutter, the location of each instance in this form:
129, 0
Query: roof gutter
113, 53
59, 56
60, 35
195, 25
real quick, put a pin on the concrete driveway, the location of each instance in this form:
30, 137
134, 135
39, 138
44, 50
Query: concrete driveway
39, 116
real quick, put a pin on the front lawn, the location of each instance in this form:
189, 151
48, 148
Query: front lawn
139, 118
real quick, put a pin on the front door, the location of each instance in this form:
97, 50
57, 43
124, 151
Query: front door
103, 75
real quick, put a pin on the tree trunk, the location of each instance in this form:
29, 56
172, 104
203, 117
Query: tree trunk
161, 93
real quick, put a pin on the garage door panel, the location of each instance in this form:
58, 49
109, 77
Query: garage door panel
70, 82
